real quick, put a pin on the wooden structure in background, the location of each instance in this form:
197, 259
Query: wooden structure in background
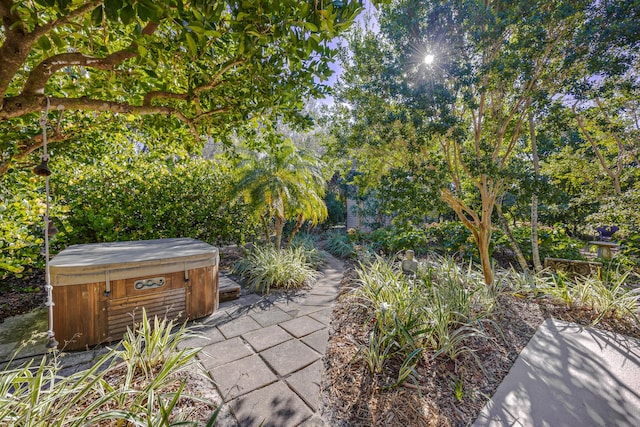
100, 289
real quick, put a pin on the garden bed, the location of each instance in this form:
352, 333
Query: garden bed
442, 392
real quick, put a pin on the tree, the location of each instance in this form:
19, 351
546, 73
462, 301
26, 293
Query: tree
467, 111
209, 64
284, 183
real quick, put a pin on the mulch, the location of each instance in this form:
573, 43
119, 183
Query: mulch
353, 396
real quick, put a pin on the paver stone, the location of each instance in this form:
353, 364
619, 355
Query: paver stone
242, 376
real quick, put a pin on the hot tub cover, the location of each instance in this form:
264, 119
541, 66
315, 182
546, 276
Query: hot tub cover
90, 262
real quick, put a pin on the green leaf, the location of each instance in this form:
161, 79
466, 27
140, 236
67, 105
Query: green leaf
111, 8
96, 16
148, 10
311, 26
127, 15
44, 43
191, 44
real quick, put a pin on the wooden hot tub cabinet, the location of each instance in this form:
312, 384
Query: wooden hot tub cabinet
100, 289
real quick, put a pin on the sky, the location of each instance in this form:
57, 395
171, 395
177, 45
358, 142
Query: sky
367, 19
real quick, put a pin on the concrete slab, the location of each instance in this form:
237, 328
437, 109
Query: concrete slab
323, 290
317, 340
306, 382
569, 375
203, 338
322, 301
267, 337
301, 326
242, 376
273, 406
218, 354
271, 316
314, 421
248, 299
289, 357
238, 327
322, 316
217, 318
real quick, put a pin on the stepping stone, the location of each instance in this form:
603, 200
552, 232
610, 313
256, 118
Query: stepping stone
314, 421
302, 326
203, 338
219, 317
262, 339
273, 406
289, 356
242, 376
306, 383
317, 340
238, 327
323, 316
224, 352
271, 316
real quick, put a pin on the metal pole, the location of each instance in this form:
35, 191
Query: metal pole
51, 340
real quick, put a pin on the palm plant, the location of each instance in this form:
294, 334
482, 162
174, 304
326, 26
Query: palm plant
285, 183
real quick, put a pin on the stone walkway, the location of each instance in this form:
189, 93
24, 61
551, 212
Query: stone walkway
264, 353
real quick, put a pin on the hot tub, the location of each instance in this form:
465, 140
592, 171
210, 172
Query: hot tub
100, 289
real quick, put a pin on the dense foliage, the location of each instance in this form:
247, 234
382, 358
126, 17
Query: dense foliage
452, 239
267, 268
463, 126
146, 198
211, 65
284, 183
128, 194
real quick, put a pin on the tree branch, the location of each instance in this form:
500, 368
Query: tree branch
32, 145
18, 42
21, 105
39, 76
614, 177
162, 94
39, 31
215, 79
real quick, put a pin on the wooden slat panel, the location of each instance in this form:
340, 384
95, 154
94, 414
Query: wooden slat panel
204, 291
76, 315
123, 312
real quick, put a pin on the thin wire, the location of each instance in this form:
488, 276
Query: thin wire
47, 221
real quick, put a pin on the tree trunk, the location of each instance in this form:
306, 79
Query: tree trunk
267, 232
522, 261
279, 226
483, 238
480, 226
535, 249
295, 230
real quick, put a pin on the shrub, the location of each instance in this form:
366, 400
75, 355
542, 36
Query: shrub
142, 384
313, 255
397, 239
437, 311
452, 239
340, 245
265, 268
150, 198
128, 197
553, 243
22, 206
